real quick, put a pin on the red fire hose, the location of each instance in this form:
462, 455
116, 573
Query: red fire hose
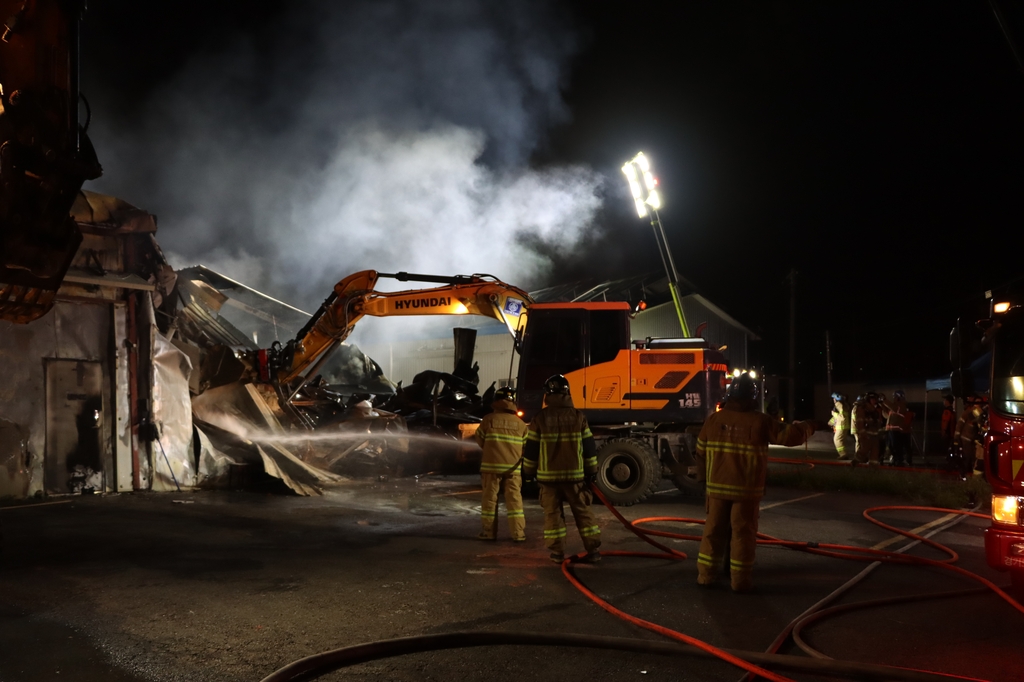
319, 664
824, 549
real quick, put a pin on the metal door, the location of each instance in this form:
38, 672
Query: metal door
74, 426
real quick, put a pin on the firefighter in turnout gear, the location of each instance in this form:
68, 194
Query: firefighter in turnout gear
840, 423
970, 434
948, 424
897, 428
867, 420
501, 435
732, 458
560, 453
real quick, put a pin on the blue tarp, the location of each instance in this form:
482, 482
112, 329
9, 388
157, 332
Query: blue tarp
981, 370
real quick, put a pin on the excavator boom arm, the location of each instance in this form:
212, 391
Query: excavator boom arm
355, 296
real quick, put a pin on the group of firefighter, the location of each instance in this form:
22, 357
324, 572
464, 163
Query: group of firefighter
874, 424
557, 450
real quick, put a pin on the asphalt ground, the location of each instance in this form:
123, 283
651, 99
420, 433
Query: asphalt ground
233, 585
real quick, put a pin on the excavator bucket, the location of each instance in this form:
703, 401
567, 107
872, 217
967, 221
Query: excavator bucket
33, 263
45, 155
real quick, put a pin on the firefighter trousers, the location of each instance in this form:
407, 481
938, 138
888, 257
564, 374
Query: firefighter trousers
491, 484
899, 446
839, 439
741, 516
867, 447
578, 496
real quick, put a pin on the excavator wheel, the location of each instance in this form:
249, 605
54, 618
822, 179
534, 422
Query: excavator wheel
627, 471
682, 469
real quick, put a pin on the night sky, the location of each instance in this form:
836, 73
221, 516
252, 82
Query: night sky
877, 148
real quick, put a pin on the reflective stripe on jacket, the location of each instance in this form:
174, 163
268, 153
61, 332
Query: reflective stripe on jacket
501, 435
732, 449
559, 444
840, 420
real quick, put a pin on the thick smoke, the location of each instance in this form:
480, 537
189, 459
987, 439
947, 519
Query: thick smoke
383, 135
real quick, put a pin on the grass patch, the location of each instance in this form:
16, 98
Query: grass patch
924, 489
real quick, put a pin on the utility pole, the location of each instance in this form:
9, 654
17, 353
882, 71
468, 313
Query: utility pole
828, 361
791, 399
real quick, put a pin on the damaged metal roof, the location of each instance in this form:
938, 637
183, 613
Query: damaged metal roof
229, 313
651, 287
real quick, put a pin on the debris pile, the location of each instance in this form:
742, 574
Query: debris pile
348, 420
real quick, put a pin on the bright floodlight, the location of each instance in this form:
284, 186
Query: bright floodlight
644, 195
644, 188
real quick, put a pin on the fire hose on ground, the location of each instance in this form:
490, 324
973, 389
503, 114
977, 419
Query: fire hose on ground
755, 664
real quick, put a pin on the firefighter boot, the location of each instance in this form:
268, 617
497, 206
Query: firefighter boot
705, 578
742, 581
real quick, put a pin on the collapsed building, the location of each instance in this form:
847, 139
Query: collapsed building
99, 393
72, 390
134, 380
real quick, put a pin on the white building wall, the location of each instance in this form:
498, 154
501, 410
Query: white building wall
402, 360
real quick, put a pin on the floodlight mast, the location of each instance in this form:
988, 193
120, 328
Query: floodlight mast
643, 186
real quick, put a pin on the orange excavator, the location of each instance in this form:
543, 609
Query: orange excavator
645, 400
45, 154
355, 296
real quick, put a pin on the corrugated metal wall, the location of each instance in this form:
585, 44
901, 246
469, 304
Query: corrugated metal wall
70, 331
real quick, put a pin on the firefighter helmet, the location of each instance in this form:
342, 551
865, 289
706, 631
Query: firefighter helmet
505, 393
899, 395
839, 397
871, 396
556, 383
743, 387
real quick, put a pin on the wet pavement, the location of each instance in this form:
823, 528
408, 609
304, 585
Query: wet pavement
231, 586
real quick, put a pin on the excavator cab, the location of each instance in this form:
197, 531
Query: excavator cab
658, 381
588, 343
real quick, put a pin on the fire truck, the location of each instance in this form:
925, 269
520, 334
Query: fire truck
1001, 334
